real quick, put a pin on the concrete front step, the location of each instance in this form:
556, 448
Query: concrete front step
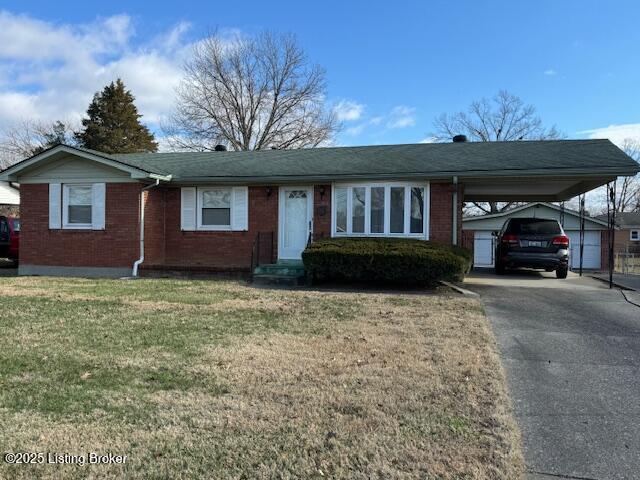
278, 280
289, 274
285, 270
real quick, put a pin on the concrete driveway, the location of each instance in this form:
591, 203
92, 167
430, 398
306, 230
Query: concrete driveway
571, 351
624, 280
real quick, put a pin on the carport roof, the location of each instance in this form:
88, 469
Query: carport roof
626, 219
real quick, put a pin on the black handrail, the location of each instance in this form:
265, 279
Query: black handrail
258, 251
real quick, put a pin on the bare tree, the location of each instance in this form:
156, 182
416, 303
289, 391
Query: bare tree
251, 94
29, 137
502, 119
628, 188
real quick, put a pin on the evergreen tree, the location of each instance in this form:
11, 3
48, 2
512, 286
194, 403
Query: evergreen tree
114, 124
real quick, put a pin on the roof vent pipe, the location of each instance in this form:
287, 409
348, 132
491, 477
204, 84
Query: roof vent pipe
459, 139
221, 148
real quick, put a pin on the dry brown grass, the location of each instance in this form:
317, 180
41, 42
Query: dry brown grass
384, 385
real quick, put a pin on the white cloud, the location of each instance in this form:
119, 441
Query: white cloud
401, 117
355, 131
550, 72
616, 133
173, 39
429, 140
348, 110
51, 71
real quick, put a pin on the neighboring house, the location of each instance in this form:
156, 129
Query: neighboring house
627, 238
9, 199
478, 234
82, 210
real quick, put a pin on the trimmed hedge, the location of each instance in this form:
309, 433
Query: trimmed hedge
385, 260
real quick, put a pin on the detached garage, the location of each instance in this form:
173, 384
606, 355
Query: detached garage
478, 234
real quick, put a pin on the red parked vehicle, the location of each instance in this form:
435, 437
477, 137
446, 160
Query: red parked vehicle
9, 237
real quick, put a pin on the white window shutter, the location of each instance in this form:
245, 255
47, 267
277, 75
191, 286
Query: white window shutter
98, 194
188, 208
240, 209
55, 206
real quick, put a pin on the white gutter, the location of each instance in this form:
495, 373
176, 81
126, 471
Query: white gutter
454, 223
138, 262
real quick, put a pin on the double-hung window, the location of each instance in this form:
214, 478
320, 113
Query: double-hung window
381, 209
215, 208
77, 206
635, 235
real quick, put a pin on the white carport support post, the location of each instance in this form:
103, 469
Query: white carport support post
581, 199
454, 223
611, 222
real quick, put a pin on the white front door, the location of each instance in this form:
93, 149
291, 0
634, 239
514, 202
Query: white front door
295, 213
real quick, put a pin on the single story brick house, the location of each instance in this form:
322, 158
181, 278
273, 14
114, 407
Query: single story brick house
478, 234
93, 214
627, 239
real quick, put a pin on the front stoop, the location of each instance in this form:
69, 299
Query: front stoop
286, 273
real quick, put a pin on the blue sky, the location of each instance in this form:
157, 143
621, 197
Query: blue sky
392, 67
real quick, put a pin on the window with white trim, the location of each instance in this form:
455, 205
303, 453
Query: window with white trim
635, 235
381, 209
77, 204
215, 207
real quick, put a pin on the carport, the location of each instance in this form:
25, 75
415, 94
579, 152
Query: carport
479, 231
547, 171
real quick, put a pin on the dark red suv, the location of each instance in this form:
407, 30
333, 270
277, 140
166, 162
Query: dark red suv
9, 237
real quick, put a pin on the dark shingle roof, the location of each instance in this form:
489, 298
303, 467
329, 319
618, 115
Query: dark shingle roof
625, 219
435, 159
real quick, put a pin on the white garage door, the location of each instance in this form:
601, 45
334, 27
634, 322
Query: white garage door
483, 249
591, 253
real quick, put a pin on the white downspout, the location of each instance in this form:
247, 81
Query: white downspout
454, 223
138, 262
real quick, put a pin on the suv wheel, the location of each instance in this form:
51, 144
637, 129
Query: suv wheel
499, 268
561, 272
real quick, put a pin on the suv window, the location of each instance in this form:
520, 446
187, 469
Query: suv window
16, 225
533, 226
4, 226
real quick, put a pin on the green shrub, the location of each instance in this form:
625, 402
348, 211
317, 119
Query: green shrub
385, 260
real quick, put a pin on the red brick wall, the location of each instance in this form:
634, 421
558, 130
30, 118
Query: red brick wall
165, 244
219, 250
623, 242
115, 246
154, 222
441, 214
322, 211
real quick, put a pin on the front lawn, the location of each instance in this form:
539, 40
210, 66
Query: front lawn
216, 379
